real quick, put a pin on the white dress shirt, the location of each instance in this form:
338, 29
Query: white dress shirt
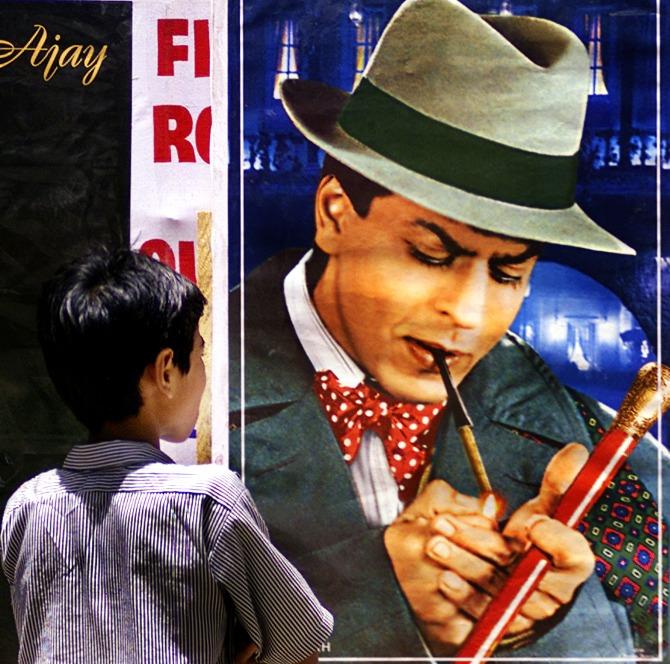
376, 489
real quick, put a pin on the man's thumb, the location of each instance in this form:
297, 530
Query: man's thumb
559, 475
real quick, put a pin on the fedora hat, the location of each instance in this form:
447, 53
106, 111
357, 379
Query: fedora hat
478, 118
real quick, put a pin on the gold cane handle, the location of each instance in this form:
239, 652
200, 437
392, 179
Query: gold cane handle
648, 397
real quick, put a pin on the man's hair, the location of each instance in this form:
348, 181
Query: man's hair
357, 187
360, 191
102, 319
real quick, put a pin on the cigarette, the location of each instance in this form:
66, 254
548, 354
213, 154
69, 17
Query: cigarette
462, 421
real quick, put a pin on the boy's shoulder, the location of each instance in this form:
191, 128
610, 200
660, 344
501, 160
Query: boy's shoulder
213, 480
34, 489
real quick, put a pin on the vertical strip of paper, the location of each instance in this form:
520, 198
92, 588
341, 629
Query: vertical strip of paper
219, 175
204, 274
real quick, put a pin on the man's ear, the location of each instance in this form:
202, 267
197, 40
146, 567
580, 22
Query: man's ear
332, 210
161, 372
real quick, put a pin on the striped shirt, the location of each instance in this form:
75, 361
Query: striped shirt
123, 556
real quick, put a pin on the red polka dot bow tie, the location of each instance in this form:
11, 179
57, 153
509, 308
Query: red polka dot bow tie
406, 429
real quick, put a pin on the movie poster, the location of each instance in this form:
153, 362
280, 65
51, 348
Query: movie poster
594, 318
108, 115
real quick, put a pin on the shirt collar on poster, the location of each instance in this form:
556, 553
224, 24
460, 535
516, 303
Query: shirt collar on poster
319, 345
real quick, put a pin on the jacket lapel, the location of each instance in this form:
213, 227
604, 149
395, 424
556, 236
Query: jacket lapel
507, 399
296, 450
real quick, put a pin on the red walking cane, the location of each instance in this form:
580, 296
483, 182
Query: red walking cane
647, 398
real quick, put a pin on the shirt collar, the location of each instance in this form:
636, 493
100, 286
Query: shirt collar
319, 345
109, 453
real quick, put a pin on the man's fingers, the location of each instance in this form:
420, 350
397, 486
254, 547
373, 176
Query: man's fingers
540, 606
558, 476
455, 587
516, 531
560, 473
442, 622
467, 565
572, 558
439, 496
434, 610
472, 601
450, 634
476, 520
484, 542
463, 594
568, 548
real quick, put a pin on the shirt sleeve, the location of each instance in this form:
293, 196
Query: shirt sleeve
271, 599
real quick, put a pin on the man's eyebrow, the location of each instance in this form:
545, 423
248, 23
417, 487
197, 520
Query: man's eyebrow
455, 249
449, 243
531, 251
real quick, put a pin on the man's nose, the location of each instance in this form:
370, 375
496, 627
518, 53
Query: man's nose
464, 298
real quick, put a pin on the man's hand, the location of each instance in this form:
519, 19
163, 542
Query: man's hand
450, 559
419, 544
572, 558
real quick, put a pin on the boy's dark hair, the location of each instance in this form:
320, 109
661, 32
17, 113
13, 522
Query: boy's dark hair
102, 319
357, 187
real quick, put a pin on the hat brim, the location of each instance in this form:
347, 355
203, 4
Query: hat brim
314, 108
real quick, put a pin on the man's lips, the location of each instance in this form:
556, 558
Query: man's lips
421, 351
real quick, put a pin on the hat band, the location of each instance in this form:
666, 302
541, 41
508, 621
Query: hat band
455, 157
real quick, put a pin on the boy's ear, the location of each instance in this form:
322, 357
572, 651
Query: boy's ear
162, 372
332, 210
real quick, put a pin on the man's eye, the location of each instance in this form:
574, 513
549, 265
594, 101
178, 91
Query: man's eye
430, 259
503, 277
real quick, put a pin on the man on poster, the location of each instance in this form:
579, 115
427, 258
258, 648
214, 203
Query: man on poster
448, 167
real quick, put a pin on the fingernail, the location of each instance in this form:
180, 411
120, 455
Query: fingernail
444, 526
453, 581
442, 549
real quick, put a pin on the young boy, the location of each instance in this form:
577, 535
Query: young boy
121, 555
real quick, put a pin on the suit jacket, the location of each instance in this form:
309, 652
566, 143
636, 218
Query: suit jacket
294, 469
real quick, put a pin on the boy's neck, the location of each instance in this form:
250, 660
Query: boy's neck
137, 428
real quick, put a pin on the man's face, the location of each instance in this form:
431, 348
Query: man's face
404, 275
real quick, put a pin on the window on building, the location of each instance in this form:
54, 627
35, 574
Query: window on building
505, 8
594, 31
368, 24
287, 54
